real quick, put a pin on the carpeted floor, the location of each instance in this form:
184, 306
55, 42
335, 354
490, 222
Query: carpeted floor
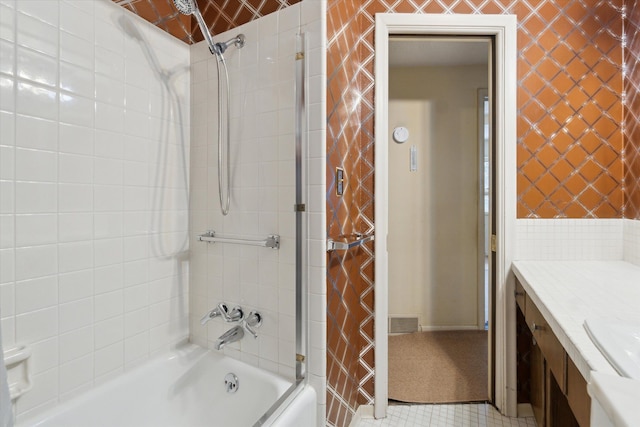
438, 367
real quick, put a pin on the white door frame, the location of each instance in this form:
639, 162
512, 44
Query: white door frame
503, 29
483, 245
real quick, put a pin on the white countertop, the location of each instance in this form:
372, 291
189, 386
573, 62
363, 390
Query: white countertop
568, 292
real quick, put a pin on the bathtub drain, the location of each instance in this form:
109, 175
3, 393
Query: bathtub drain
231, 382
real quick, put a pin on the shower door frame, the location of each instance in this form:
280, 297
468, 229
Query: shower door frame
502, 28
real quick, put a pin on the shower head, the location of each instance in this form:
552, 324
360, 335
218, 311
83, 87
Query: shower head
238, 41
189, 7
185, 7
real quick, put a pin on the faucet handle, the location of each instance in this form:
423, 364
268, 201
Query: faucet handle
252, 321
220, 310
235, 315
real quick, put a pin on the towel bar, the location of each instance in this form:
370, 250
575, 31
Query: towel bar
272, 241
349, 241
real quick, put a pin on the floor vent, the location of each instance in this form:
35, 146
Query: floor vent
403, 325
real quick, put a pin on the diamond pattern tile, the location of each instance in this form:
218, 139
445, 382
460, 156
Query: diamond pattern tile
220, 15
162, 14
632, 112
569, 95
570, 140
573, 88
350, 275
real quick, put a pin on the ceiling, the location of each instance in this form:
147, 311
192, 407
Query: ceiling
431, 51
220, 15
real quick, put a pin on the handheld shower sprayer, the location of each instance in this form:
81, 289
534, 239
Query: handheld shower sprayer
189, 7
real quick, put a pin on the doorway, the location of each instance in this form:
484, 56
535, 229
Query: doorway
501, 30
438, 218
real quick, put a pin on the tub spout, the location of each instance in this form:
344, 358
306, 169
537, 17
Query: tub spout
232, 335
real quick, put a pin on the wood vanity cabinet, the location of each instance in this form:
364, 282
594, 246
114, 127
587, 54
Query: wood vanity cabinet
520, 296
577, 394
537, 383
558, 392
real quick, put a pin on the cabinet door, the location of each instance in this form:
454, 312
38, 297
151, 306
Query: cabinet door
549, 344
538, 385
558, 411
577, 395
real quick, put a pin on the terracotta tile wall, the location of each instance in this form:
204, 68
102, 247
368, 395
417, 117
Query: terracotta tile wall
350, 274
569, 135
569, 100
632, 112
570, 109
220, 15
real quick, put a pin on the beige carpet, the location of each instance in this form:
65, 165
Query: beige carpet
438, 367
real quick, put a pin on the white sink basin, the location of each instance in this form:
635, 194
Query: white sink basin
619, 342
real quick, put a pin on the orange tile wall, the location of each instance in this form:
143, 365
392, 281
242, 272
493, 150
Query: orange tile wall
220, 15
632, 113
350, 273
569, 100
570, 110
569, 131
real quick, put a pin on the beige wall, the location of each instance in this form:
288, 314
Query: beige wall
433, 212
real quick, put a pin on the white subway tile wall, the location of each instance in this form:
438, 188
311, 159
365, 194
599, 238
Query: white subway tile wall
94, 166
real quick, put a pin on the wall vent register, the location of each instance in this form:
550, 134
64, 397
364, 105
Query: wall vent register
403, 325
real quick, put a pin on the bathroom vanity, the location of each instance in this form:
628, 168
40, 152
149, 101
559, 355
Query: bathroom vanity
558, 390
555, 298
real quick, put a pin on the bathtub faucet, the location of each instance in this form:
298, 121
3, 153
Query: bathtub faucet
232, 335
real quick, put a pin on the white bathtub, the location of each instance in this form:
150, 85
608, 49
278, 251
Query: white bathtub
184, 388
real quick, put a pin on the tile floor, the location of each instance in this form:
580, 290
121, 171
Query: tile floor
458, 415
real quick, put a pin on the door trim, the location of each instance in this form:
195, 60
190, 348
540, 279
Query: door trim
483, 245
503, 29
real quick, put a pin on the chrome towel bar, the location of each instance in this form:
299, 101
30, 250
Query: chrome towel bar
347, 242
272, 241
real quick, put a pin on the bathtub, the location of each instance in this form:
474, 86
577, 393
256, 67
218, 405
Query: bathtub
187, 388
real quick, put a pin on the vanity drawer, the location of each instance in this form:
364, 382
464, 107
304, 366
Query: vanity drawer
548, 342
520, 296
577, 395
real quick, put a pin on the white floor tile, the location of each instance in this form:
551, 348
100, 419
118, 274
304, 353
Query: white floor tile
458, 415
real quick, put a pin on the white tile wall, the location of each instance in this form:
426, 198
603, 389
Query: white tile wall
262, 126
314, 13
239, 274
569, 239
631, 241
93, 201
